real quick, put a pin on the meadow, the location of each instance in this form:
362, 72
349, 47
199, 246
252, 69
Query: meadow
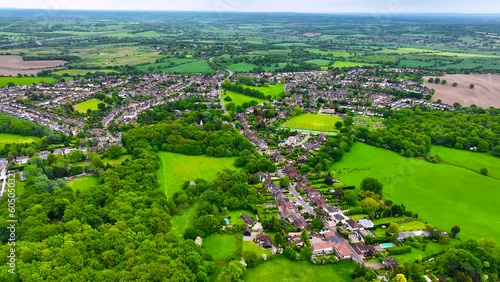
317, 122
239, 99
84, 183
282, 269
273, 90
4, 80
200, 66
175, 169
346, 64
181, 222
221, 247
117, 161
87, 105
17, 139
241, 67
319, 62
442, 194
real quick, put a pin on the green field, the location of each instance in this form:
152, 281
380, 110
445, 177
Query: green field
273, 90
87, 105
241, 67
468, 160
17, 139
282, 269
253, 247
84, 183
317, 122
221, 246
75, 72
175, 169
443, 195
239, 99
4, 80
319, 62
117, 161
183, 221
201, 66
165, 64
345, 64
343, 54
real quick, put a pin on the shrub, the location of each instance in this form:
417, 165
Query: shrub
399, 250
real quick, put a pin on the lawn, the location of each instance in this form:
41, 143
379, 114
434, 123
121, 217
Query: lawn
201, 66
239, 99
75, 72
442, 194
221, 246
252, 247
346, 64
17, 139
87, 105
241, 67
469, 160
117, 161
318, 122
84, 183
282, 269
273, 90
4, 80
183, 221
175, 169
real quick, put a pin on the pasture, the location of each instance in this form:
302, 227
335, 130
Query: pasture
442, 194
273, 90
485, 93
87, 105
4, 81
316, 122
221, 247
175, 169
319, 62
282, 269
84, 183
239, 99
241, 67
346, 64
17, 139
201, 66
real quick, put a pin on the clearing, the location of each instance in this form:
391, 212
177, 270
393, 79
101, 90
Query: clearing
317, 122
443, 195
13, 65
485, 94
175, 169
221, 246
87, 105
17, 139
84, 183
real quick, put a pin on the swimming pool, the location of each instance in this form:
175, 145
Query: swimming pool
387, 245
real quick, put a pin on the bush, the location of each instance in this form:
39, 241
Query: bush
399, 250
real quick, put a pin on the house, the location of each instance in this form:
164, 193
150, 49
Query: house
3, 162
264, 240
343, 251
44, 154
352, 225
295, 238
323, 248
249, 221
366, 223
403, 235
247, 232
390, 263
366, 250
21, 160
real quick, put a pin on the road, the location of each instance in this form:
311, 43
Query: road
3, 178
220, 92
300, 200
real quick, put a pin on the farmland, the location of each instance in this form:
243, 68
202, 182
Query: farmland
317, 122
14, 65
17, 139
286, 270
87, 105
4, 81
442, 194
175, 169
200, 66
486, 92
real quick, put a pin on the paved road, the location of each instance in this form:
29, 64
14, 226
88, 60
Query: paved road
300, 200
3, 178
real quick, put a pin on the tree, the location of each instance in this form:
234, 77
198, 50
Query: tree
114, 151
372, 184
444, 240
393, 228
471, 86
11, 84
369, 205
437, 80
454, 84
284, 182
338, 125
430, 80
399, 278
316, 224
454, 231
232, 272
444, 82
484, 171
397, 210
250, 258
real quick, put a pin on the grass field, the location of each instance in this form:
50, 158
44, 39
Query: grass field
75, 72
239, 99
241, 67
183, 221
316, 122
252, 247
319, 62
273, 90
4, 80
345, 64
87, 105
342, 54
17, 139
117, 161
84, 183
175, 169
166, 64
444, 195
468, 160
282, 269
221, 246
201, 66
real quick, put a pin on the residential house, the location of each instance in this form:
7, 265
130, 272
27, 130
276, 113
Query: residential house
323, 248
352, 225
264, 240
390, 263
249, 221
21, 160
247, 232
403, 235
44, 154
343, 251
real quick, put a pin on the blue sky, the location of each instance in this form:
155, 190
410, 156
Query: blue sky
330, 6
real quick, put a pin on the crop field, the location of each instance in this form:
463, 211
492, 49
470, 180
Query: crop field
175, 169
221, 246
241, 67
201, 66
317, 122
239, 99
77, 72
442, 194
14, 65
87, 105
486, 92
282, 269
4, 81
346, 64
273, 90
84, 183
17, 139
468, 160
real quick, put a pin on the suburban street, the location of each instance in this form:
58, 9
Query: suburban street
301, 201
3, 177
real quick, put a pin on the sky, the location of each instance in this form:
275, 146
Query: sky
306, 6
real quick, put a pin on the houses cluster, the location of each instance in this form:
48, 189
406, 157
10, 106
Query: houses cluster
22, 160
